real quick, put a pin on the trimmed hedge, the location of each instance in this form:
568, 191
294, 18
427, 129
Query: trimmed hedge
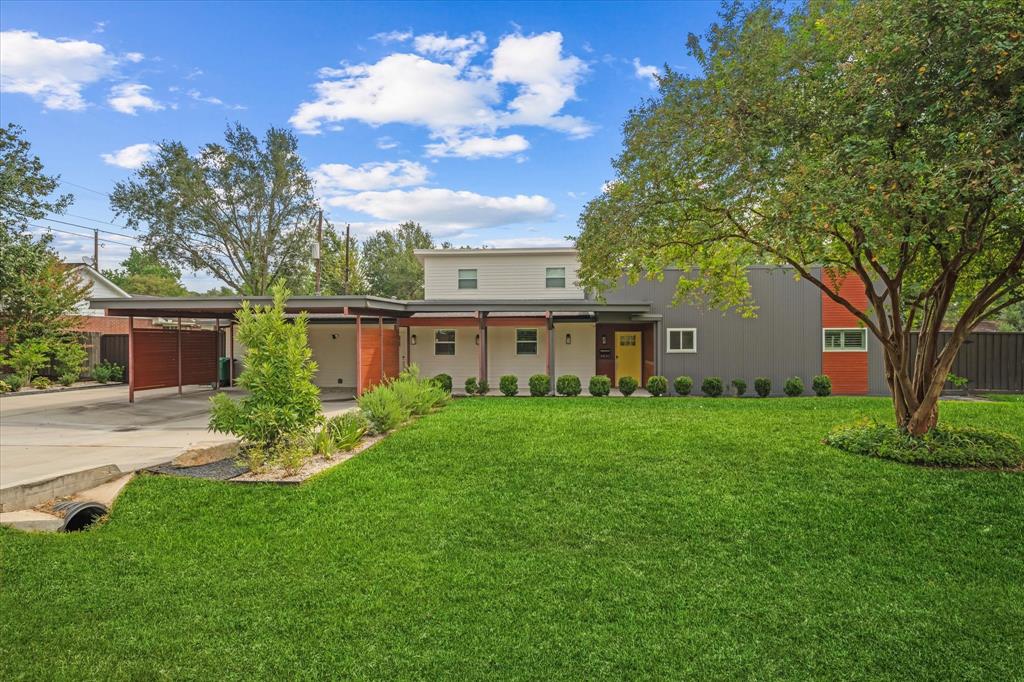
657, 386
482, 387
628, 385
471, 386
540, 385
509, 385
740, 385
763, 386
568, 384
712, 387
444, 381
600, 386
793, 387
822, 385
683, 385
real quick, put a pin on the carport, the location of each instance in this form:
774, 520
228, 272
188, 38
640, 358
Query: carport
165, 358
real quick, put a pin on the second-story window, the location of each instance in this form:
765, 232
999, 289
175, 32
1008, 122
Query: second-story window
467, 278
554, 278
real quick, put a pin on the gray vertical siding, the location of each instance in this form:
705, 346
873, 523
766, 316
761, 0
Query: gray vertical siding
784, 340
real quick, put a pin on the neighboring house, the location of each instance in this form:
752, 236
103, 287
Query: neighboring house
491, 312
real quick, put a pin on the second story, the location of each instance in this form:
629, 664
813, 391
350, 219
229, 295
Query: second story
500, 274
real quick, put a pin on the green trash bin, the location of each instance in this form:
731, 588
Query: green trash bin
223, 371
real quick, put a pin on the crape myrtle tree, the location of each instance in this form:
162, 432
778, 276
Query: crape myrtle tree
242, 211
882, 139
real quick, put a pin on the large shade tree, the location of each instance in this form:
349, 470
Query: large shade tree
389, 265
143, 272
242, 211
880, 139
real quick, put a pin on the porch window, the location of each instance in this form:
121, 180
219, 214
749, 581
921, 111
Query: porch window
554, 278
682, 340
844, 339
444, 342
526, 342
467, 278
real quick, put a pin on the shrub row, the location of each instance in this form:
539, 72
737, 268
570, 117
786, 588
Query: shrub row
391, 403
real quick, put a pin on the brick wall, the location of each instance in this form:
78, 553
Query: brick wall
848, 370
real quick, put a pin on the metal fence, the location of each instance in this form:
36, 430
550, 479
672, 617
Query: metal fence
991, 361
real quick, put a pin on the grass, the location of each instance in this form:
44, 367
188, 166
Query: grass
548, 538
1005, 397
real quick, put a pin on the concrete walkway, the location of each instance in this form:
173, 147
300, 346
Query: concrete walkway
51, 434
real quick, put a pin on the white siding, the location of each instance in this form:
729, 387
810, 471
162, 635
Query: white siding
579, 357
334, 349
499, 276
464, 364
97, 289
502, 358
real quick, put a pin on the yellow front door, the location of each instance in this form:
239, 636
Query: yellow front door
628, 355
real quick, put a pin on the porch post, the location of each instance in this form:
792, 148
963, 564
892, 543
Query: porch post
380, 325
178, 335
359, 355
551, 348
482, 348
231, 354
131, 359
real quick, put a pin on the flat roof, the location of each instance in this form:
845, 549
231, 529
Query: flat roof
522, 251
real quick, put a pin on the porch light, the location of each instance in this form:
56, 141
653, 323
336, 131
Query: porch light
412, 339
604, 340
568, 339
478, 339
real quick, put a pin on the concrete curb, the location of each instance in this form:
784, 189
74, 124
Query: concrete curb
62, 389
28, 495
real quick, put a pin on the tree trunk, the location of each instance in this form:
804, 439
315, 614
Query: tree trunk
917, 410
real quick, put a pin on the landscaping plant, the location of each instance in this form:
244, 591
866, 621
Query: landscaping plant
793, 387
14, 382
958, 382
107, 371
472, 387
740, 385
346, 429
26, 358
628, 386
540, 385
382, 408
683, 385
568, 384
4, 387
41, 383
482, 387
444, 381
712, 387
509, 385
821, 385
68, 358
599, 386
657, 386
763, 386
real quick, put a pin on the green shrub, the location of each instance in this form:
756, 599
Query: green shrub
4, 387
26, 358
740, 385
482, 387
568, 384
712, 387
15, 382
417, 396
822, 385
683, 385
509, 385
600, 385
444, 381
628, 385
107, 371
382, 408
277, 373
471, 386
68, 359
657, 386
540, 385
956, 446
41, 383
793, 387
346, 430
322, 442
763, 386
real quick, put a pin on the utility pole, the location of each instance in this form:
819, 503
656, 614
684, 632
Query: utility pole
319, 243
96, 249
348, 241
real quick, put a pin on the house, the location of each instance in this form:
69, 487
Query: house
491, 312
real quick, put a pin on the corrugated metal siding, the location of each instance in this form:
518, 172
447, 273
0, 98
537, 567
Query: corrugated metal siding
784, 340
513, 276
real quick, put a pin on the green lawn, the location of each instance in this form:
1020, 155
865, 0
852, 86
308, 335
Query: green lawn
1006, 397
548, 538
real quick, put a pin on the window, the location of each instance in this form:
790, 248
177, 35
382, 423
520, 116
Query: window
526, 342
467, 278
682, 340
554, 278
844, 339
444, 342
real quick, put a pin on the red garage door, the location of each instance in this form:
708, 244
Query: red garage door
156, 357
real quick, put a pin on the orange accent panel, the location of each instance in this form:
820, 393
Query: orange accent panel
847, 370
852, 289
370, 354
156, 358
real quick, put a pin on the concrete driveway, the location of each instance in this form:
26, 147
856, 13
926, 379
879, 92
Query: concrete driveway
51, 434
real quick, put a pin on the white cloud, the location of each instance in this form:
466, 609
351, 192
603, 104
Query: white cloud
526, 242
393, 36
133, 57
128, 98
132, 156
643, 71
99, 26
217, 101
386, 142
194, 73
446, 211
336, 178
453, 100
53, 72
477, 147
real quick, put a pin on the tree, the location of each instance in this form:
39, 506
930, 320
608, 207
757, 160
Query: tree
1012, 318
389, 265
879, 139
144, 273
333, 265
240, 211
24, 188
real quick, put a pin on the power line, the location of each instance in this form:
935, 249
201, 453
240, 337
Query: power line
78, 234
87, 189
97, 220
87, 227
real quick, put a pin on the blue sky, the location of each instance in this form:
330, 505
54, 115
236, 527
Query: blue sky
490, 123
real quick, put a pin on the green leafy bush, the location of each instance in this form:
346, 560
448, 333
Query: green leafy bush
954, 446
600, 385
107, 371
712, 387
657, 386
277, 373
821, 385
471, 386
417, 396
509, 385
482, 387
14, 382
763, 386
322, 442
740, 385
444, 381
346, 430
382, 408
4, 387
568, 384
41, 383
683, 385
26, 358
540, 385
68, 359
628, 385
793, 387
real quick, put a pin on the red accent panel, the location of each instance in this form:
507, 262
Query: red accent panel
852, 289
370, 354
102, 324
606, 365
848, 371
156, 358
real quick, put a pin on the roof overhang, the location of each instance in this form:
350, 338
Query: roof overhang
420, 254
530, 306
